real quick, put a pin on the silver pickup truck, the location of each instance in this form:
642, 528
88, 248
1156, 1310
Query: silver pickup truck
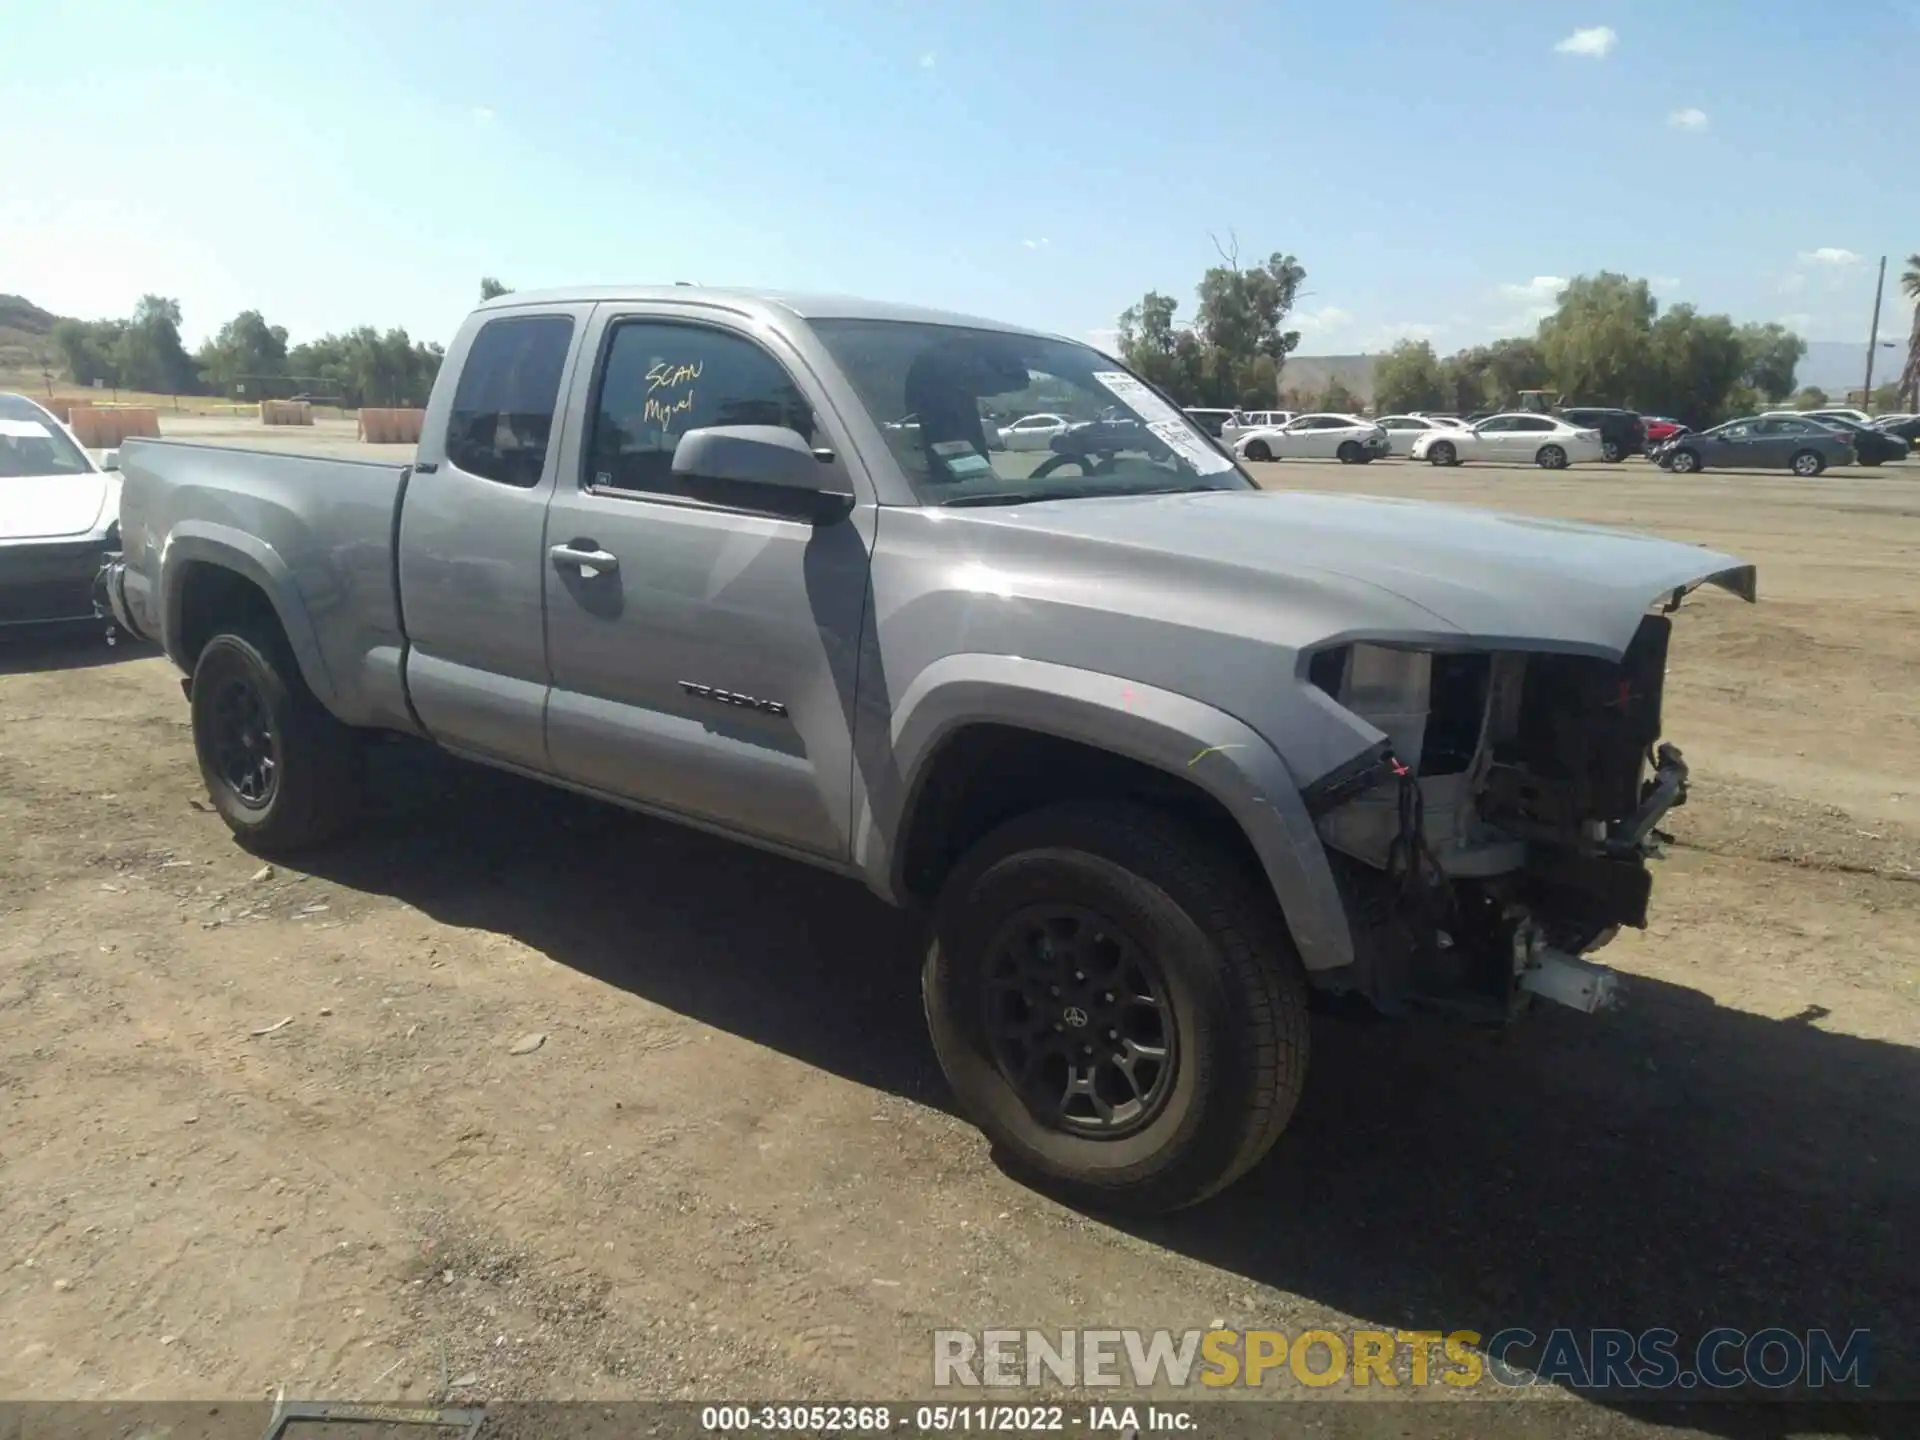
1160, 754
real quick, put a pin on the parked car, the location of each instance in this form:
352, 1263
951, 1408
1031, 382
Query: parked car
1346, 438
1858, 417
1660, 428
1871, 445
1622, 432
1403, 430
59, 518
1907, 427
1214, 422
1145, 828
1515, 438
1034, 432
1759, 442
1244, 422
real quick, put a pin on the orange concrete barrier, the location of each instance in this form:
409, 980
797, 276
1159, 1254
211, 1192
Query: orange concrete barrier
286, 412
391, 427
100, 427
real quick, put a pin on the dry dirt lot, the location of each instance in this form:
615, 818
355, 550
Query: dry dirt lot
264, 1129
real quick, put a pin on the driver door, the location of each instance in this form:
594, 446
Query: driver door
702, 639
1489, 440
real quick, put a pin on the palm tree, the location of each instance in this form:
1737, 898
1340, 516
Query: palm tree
1910, 287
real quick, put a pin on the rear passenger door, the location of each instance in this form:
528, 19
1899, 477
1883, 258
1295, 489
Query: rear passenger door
705, 666
470, 555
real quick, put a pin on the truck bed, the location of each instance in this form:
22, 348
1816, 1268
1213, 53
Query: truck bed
315, 534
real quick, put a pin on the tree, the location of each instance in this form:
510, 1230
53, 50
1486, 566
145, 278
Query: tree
1595, 344
1338, 399
1236, 350
492, 289
1514, 365
1910, 376
1410, 377
149, 353
1694, 367
1773, 353
90, 349
245, 350
367, 368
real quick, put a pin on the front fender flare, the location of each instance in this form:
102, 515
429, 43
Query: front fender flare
1171, 732
251, 557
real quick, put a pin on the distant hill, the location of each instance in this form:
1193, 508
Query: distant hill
24, 328
1313, 373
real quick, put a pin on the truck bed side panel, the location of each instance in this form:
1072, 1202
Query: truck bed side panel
316, 534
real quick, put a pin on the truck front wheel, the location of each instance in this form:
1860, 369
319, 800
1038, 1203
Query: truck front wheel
283, 772
1117, 1006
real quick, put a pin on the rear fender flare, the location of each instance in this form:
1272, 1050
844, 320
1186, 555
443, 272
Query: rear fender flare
253, 559
1171, 732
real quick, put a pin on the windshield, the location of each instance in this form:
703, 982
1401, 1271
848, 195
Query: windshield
983, 417
31, 444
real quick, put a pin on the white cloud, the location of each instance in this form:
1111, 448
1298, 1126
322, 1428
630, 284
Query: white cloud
1829, 255
1798, 320
483, 114
1594, 42
1039, 244
1328, 320
1665, 282
1541, 289
928, 60
1107, 340
1688, 119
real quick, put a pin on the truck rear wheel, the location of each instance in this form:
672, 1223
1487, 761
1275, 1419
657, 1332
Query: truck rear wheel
282, 772
1117, 1006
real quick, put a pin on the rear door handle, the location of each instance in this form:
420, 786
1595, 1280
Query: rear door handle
594, 562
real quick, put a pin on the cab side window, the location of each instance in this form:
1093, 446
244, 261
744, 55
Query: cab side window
502, 414
661, 379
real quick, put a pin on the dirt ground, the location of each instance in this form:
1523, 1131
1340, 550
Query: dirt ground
267, 1129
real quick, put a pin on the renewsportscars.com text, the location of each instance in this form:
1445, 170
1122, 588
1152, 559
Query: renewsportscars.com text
1516, 1358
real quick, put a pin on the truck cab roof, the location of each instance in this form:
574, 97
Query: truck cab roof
750, 301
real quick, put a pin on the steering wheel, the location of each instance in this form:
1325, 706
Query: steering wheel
1089, 464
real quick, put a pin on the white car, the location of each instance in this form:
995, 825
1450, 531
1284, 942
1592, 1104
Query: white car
59, 518
1403, 430
1515, 438
1245, 422
1034, 432
1346, 438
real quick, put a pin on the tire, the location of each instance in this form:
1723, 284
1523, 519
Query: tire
1348, 453
1258, 450
1441, 452
1152, 900
1684, 462
1611, 452
1551, 457
1808, 463
246, 682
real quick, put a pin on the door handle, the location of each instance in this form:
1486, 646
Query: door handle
569, 557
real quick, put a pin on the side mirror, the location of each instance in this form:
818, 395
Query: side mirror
766, 457
110, 460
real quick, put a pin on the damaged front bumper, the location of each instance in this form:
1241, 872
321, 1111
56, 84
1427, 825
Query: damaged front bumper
1501, 829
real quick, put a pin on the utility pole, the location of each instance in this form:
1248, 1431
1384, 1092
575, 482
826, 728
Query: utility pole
1873, 338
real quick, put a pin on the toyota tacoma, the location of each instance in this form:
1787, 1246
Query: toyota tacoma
1160, 755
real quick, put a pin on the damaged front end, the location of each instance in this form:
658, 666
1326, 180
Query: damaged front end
1501, 830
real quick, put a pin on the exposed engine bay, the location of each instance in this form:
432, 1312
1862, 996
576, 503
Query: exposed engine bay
1502, 830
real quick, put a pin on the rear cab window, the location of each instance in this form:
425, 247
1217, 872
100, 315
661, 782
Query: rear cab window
502, 415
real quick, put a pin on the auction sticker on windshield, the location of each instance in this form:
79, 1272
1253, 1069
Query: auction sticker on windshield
1184, 443
24, 430
1138, 397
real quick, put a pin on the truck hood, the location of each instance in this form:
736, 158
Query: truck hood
1500, 581
49, 507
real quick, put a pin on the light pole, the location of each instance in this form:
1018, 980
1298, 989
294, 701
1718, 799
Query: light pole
1873, 338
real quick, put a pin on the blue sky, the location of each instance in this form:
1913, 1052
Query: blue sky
1436, 168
